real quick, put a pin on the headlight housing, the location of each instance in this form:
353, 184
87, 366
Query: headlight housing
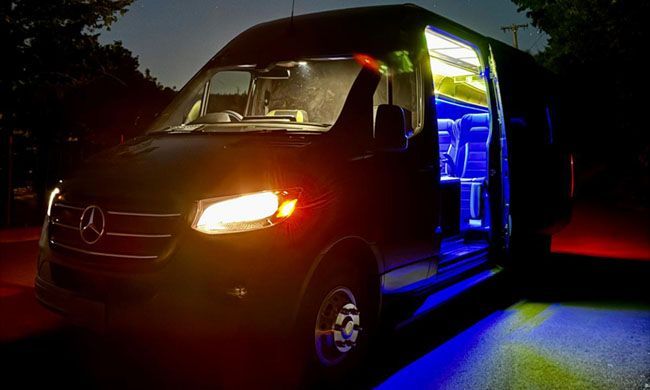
240, 213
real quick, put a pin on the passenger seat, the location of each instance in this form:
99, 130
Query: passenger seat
473, 131
472, 166
445, 139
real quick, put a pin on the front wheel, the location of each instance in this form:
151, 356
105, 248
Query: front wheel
337, 318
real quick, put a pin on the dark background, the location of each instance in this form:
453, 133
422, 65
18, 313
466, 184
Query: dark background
65, 93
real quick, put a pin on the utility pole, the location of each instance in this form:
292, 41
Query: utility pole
514, 28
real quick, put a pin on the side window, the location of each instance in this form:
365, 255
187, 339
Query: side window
402, 88
194, 110
208, 93
228, 91
405, 94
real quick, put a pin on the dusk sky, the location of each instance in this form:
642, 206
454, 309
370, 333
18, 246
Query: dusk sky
175, 38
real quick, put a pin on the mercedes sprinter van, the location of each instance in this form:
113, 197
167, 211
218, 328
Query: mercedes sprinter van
317, 174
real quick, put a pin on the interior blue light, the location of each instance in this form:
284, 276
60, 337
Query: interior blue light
464, 132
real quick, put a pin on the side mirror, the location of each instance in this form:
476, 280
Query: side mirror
390, 128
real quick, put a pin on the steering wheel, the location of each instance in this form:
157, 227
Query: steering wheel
234, 115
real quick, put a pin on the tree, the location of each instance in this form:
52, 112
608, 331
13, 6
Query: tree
52, 45
599, 49
59, 84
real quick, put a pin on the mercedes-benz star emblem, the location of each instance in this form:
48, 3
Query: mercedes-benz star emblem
91, 224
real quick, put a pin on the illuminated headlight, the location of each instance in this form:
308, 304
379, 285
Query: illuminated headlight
245, 212
53, 195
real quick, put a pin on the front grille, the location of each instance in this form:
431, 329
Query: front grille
123, 235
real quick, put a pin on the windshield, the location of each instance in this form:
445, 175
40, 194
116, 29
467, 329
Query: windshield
305, 95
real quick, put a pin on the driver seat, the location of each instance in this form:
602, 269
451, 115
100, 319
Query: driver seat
297, 115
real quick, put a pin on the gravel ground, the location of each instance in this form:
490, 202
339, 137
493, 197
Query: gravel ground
533, 345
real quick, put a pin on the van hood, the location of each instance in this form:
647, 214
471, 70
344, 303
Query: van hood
170, 171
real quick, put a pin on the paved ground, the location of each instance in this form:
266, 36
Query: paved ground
584, 324
605, 231
21, 316
572, 345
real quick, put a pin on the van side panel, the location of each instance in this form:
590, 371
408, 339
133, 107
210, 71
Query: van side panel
540, 166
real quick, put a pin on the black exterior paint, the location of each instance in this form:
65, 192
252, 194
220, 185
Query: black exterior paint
382, 208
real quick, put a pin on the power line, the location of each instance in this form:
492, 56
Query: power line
515, 29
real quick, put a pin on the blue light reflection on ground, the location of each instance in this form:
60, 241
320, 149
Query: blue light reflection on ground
540, 345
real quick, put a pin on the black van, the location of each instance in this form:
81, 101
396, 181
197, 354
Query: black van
317, 173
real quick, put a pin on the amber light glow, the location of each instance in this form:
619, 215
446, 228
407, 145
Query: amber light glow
286, 208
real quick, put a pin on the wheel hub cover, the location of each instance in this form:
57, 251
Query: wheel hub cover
347, 327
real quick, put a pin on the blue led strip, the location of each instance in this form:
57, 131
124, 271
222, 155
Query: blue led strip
436, 299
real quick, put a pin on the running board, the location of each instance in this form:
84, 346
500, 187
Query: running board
446, 294
453, 269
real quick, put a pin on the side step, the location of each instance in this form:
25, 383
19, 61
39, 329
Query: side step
446, 294
454, 251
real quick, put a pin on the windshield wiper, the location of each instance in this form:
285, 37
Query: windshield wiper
233, 129
291, 120
181, 128
264, 118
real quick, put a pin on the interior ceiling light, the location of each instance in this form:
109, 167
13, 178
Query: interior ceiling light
445, 48
446, 69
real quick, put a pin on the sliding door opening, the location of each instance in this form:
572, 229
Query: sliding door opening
464, 131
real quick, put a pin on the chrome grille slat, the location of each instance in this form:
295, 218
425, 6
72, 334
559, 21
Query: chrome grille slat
127, 234
138, 235
143, 214
65, 226
119, 234
67, 206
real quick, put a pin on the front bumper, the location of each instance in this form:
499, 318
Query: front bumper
76, 308
246, 283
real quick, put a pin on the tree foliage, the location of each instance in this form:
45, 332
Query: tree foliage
67, 91
52, 45
584, 33
53, 51
599, 48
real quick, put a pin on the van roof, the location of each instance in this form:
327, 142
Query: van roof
370, 30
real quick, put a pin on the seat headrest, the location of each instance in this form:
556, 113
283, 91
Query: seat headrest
450, 127
478, 134
445, 125
474, 120
469, 122
298, 115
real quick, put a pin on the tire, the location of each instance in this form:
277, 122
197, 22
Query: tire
336, 323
